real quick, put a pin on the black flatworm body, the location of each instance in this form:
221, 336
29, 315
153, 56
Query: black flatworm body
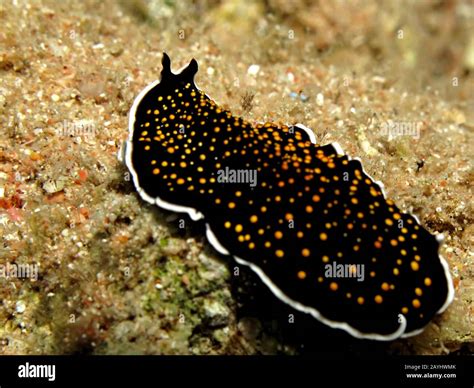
306, 218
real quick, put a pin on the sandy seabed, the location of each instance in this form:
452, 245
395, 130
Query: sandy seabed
392, 82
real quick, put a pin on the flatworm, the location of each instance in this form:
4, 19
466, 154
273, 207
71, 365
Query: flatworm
312, 224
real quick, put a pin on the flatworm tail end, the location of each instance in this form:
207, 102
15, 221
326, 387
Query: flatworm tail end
402, 322
450, 289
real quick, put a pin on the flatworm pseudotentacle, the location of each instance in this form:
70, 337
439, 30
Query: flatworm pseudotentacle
314, 226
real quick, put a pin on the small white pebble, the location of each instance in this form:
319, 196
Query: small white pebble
4, 219
291, 77
50, 186
320, 99
439, 209
2, 192
253, 70
210, 71
20, 307
158, 286
379, 79
55, 97
353, 110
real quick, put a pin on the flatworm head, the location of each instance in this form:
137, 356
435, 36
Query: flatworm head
306, 218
